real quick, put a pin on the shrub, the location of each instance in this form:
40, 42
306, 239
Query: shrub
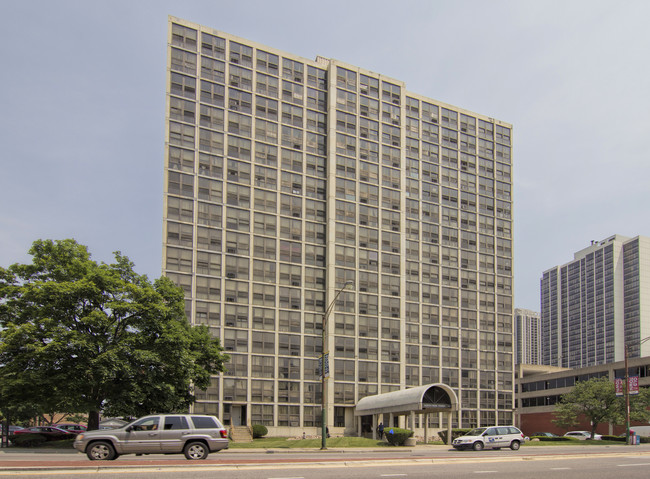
613, 438
259, 430
397, 436
28, 440
554, 439
457, 432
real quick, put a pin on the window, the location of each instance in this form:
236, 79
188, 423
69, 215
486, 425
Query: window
184, 37
213, 46
237, 100
346, 79
390, 93
213, 70
266, 108
317, 77
212, 93
292, 70
241, 54
292, 92
267, 62
267, 85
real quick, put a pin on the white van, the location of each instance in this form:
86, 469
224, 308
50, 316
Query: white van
494, 437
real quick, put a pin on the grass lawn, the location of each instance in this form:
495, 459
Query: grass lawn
285, 443
342, 442
574, 442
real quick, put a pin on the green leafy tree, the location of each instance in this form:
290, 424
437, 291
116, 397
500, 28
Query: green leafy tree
77, 335
639, 406
594, 400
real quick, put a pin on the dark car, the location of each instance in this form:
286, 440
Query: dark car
51, 433
544, 434
73, 428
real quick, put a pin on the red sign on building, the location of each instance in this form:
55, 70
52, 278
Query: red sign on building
632, 385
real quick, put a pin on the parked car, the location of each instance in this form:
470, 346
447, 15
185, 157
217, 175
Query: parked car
583, 435
194, 435
51, 433
544, 434
73, 428
490, 437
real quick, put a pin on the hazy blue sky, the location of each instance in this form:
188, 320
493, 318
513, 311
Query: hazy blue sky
82, 95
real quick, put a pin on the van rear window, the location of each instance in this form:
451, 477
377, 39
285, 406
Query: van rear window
204, 422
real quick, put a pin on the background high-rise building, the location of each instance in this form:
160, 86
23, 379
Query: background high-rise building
596, 304
285, 178
528, 345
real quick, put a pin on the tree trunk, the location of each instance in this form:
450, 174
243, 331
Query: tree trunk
93, 420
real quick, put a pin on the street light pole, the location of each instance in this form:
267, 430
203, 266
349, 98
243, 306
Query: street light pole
627, 400
322, 369
627, 392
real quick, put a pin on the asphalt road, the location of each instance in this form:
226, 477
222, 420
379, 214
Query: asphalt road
418, 462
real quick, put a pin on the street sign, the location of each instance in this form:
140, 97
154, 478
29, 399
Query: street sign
320, 366
633, 384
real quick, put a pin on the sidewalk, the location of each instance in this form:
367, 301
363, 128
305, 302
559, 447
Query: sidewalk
279, 450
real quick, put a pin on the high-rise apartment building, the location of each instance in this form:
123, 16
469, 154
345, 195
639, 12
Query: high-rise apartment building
285, 179
528, 345
597, 304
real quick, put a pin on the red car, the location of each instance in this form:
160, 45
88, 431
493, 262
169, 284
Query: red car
50, 433
74, 428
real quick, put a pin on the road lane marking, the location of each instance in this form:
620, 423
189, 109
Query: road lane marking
634, 465
485, 472
560, 468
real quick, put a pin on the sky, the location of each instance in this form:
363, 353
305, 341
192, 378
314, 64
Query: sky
82, 108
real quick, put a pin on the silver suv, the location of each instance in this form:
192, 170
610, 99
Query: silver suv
490, 437
191, 434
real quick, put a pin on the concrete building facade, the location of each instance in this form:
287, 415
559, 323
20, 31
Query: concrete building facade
285, 179
540, 388
594, 306
528, 336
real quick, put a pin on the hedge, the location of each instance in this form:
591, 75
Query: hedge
456, 432
397, 436
555, 439
259, 430
28, 440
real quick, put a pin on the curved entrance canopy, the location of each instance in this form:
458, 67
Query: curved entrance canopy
431, 398
423, 399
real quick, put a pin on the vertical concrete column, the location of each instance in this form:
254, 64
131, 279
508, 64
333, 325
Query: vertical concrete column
374, 427
412, 421
449, 428
425, 418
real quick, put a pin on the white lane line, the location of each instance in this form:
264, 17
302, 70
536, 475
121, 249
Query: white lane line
485, 472
634, 465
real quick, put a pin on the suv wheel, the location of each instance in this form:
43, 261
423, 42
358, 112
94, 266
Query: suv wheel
477, 446
101, 451
514, 445
195, 450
